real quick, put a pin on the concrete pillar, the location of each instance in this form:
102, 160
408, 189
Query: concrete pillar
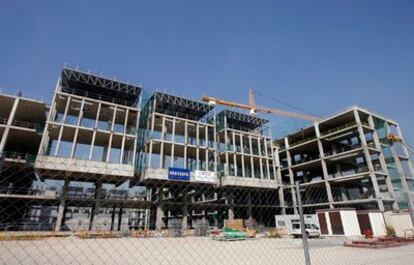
121, 209
9, 123
96, 206
278, 176
249, 203
406, 153
159, 222
159, 219
65, 114
184, 221
242, 155
113, 217
204, 212
251, 157
369, 162
326, 176
230, 202
62, 207
383, 163
291, 177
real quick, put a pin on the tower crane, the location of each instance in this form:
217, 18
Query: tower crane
253, 108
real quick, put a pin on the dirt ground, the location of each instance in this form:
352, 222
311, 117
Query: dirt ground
194, 250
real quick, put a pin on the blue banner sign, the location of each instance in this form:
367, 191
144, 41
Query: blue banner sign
178, 173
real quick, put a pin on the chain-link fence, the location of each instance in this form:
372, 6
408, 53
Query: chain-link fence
81, 222
114, 176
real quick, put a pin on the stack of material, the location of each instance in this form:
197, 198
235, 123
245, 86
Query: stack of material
175, 227
234, 224
251, 232
189, 232
140, 233
229, 234
274, 233
251, 227
201, 228
97, 234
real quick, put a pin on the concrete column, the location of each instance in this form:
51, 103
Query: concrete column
324, 167
242, 156
369, 162
96, 206
185, 143
147, 220
120, 217
251, 156
291, 177
215, 143
108, 153
383, 163
159, 222
184, 223
163, 132
92, 144
98, 112
277, 170
121, 157
173, 145
62, 207
126, 121
75, 139
233, 134
230, 202
249, 203
9, 123
227, 164
113, 217
65, 114
204, 212
406, 153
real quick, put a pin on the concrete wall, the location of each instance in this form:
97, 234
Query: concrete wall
350, 223
399, 221
377, 224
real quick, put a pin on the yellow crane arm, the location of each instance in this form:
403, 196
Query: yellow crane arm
289, 114
225, 103
254, 108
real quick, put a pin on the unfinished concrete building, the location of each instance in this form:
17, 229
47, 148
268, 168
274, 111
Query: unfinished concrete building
346, 161
176, 135
21, 126
90, 140
102, 163
249, 173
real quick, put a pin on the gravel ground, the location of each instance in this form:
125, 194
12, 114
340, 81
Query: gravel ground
194, 250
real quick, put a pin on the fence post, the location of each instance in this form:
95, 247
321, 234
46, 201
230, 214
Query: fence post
302, 226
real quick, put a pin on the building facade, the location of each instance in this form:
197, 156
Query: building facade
347, 161
101, 158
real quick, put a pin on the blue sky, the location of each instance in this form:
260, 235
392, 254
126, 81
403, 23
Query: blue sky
319, 55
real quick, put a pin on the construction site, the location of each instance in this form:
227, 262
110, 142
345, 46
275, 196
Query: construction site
105, 159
